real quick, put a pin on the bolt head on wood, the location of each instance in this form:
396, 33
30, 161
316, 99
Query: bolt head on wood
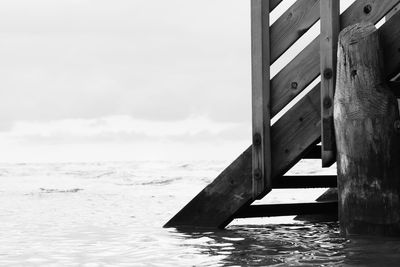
328, 74
257, 139
327, 102
257, 174
294, 85
367, 9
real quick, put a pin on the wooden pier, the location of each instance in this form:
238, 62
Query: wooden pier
309, 122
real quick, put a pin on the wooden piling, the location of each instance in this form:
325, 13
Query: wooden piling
329, 10
367, 129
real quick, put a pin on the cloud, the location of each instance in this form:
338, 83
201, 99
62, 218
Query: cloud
123, 138
121, 128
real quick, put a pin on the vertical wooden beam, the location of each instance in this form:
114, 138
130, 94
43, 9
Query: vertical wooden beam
260, 56
329, 10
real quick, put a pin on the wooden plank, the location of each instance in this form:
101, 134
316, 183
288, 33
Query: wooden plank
304, 68
260, 53
215, 205
292, 25
305, 181
295, 132
294, 77
330, 13
326, 207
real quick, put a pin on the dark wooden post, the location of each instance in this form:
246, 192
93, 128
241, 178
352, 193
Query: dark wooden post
367, 128
260, 58
329, 10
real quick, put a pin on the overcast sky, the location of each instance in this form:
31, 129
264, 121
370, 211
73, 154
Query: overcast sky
85, 80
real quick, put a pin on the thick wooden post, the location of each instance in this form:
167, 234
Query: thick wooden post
367, 128
329, 10
260, 53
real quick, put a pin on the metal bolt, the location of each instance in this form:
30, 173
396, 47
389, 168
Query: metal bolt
294, 85
328, 74
367, 9
397, 126
327, 102
257, 174
257, 139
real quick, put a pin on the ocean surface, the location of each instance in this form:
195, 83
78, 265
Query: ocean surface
111, 214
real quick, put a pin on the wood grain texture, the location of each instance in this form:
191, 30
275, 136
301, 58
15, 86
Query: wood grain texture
304, 68
260, 53
328, 49
367, 128
292, 25
293, 133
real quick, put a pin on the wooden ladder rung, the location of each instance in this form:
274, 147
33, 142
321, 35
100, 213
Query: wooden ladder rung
301, 181
326, 207
313, 153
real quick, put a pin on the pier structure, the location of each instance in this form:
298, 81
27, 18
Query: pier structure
306, 130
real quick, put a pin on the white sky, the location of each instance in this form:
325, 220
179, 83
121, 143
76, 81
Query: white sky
87, 80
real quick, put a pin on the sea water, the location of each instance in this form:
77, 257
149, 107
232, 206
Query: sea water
112, 213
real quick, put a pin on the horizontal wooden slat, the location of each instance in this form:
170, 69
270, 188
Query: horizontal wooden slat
304, 68
327, 207
302, 181
292, 25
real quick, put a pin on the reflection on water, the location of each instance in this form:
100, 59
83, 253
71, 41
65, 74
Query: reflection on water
255, 245
111, 214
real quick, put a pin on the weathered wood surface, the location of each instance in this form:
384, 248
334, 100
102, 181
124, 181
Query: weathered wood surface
260, 54
304, 68
367, 127
328, 49
295, 132
292, 25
